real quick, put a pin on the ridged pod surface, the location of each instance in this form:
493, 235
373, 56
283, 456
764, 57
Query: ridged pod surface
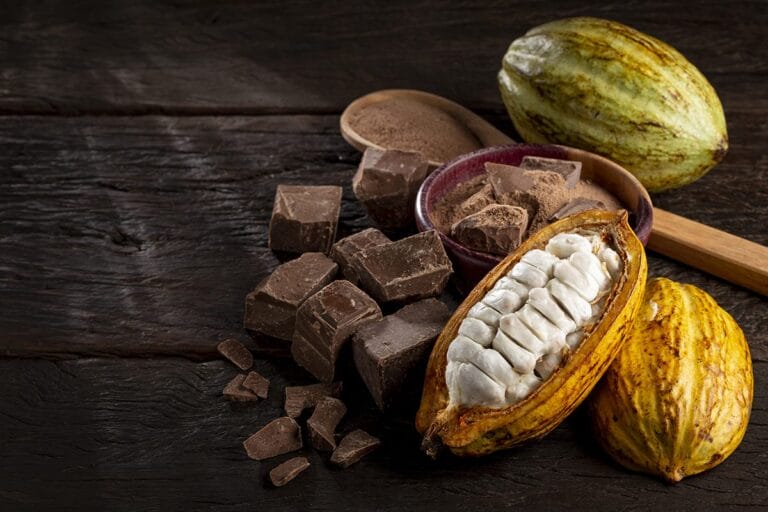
676, 400
480, 430
599, 85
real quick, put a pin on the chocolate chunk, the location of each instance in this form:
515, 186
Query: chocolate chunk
279, 436
325, 322
288, 470
257, 384
476, 202
323, 422
577, 205
386, 183
389, 354
298, 398
304, 219
271, 307
235, 390
412, 268
355, 445
497, 229
508, 178
236, 353
345, 251
569, 169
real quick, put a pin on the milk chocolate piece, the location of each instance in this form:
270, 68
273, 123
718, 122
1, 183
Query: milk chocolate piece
389, 354
304, 218
355, 445
346, 250
412, 268
279, 436
257, 384
298, 398
236, 353
386, 183
288, 470
325, 322
497, 229
234, 390
569, 169
323, 422
271, 307
577, 205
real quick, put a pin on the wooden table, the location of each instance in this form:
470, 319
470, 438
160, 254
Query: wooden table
141, 146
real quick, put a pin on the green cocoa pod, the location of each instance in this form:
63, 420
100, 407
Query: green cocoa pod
602, 86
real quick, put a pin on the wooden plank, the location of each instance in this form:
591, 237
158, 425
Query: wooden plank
305, 56
132, 434
142, 235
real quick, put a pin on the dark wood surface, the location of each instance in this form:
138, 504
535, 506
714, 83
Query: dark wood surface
141, 145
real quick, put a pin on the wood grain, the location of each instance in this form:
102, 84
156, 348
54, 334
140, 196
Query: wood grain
87, 56
155, 435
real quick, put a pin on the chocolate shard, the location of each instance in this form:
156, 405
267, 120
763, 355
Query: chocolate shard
304, 218
279, 436
256, 384
323, 422
390, 354
234, 390
236, 353
577, 205
355, 445
298, 398
569, 169
346, 250
288, 470
387, 182
271, 307
497, 229
325, 322
412, 268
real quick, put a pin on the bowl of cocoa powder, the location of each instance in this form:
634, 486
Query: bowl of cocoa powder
486, 202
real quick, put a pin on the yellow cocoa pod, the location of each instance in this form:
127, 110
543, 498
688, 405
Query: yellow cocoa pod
532, 339
676, 400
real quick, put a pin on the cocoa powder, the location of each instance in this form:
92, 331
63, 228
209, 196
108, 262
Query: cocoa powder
407, 125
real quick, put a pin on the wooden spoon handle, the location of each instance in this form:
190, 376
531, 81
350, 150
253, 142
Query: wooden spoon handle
721, 254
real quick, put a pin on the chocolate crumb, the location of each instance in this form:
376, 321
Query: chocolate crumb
236, 353
279, 436
355, 445
298, 398
288, 470
234, 390
257, 384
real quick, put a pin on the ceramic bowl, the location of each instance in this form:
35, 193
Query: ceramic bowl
472, 265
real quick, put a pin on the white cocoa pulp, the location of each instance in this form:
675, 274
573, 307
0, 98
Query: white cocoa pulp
515, 337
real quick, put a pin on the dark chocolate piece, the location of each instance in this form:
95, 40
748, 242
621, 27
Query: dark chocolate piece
476, 202
323, 422
389, 354
412, 268
279, 436
298, 398
325, 322
234, 390
271, 307
505, 179
355, 445
304, 218
387, 182
345, 251
257, 384
236, 353
288, 470
569, 169
497, 229
577, 205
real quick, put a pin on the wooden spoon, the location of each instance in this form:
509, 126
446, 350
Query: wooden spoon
722, 254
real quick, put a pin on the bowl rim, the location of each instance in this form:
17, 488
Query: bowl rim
643, 217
